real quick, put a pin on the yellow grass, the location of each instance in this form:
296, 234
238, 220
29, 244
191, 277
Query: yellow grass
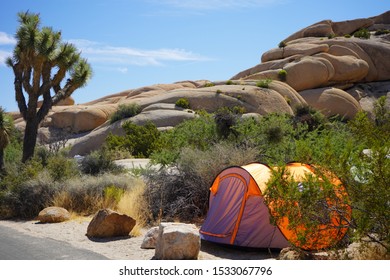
134, 205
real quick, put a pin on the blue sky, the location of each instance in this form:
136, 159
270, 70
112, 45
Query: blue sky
134, 43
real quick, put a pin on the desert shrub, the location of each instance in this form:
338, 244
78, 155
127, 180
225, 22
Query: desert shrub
87, 194
273, 136
369, 182
309, 202
282, 44
382, 32
199, 133
98, 162
209, 84
282, 74
305, 114
28, 198
264, 83
225, 118
125, 111
181, 192
183, 103
139, 140
347, 36
362, 33
62, 168
229, 82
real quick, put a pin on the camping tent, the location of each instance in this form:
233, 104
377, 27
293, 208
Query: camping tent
238, 215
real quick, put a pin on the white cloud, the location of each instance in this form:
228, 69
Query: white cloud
100, 53
3, 56
217, 4
6, 39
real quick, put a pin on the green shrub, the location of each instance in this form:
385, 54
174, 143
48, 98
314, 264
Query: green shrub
362, 33
62, 168
264, 83
229, 82
199, 133
125, 111
139, 140
209, 84
382, 32
183, 103
98, 162
282, 44
282, 74
305, 202
347, 36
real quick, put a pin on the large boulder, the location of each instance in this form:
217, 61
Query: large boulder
177, 241
53, 215
347, 68
332, 101
309, 72
108, 223
79, 118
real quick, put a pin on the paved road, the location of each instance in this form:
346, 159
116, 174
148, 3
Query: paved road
18, 246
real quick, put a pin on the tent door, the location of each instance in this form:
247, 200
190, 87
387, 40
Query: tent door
225, 208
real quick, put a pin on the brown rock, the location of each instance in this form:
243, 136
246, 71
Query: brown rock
53, 215
108, 223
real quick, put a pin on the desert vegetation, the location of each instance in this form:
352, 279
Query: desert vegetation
194, 152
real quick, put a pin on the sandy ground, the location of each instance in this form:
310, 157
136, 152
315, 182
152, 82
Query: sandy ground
128, 248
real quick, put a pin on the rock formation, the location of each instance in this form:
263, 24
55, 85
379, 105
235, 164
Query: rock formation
323, 65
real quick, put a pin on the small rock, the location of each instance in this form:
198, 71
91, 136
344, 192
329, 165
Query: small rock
177, 241
53, 215
150, 239
108, 223
367, 251
290, 254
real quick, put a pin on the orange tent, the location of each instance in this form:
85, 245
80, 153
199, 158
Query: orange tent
239, 216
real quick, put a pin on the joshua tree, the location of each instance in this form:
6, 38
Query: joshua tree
41, 62
5, 130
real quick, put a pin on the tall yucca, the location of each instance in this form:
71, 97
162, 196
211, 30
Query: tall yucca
41, 62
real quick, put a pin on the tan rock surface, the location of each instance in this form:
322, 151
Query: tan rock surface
53, 215
332, 101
